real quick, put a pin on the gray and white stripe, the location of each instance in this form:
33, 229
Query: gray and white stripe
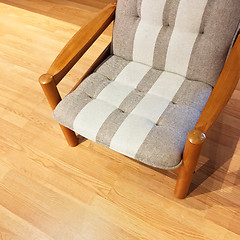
142, 118
164, 28
138, 124
161, 46
148, 29
114, 121
154, 76
135, 126
185, 32
109, 100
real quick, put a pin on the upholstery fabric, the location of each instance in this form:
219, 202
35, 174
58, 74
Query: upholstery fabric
136, 110
187, 37
145, 98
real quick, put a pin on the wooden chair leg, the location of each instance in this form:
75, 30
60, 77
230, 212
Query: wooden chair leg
191, 154
70, 136
50, 89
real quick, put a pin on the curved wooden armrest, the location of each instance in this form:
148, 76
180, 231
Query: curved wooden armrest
223, 89
221, 93
80, 43
73, 51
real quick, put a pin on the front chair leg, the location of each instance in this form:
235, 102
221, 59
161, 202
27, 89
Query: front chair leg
50, 89
70, 136
191, 154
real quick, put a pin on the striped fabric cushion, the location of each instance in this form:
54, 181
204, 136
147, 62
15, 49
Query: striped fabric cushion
188, 37
167, 56
136, 110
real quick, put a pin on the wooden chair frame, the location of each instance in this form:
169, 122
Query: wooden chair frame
219, 97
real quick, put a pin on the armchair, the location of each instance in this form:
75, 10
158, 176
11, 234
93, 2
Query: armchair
153, 84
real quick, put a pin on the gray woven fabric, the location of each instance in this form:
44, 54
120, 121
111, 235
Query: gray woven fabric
145, 98
170, 134
215, 33
67, 111
164, 144
219, 24
125, 28
193, 94
161, 47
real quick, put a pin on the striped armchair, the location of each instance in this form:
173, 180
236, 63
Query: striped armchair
150, 94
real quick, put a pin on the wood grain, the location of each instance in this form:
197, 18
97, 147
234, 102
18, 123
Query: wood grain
95, 64
223, 89
51, 191
70, 55
50, 90
192, 149
80, 43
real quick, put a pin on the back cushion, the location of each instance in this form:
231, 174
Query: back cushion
187, 37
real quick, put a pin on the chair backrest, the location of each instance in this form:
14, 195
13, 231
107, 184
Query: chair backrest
187, 37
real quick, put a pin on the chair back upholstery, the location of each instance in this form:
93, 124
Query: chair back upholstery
187, 37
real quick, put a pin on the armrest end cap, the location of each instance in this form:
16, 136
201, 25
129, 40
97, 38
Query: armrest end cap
196, 137
45, 79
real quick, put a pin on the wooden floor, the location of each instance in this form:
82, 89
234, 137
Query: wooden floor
51, 191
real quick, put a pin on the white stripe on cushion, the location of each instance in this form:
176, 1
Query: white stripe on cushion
148, 30
131, 133
158, 97
167, 85
132, 74
185, 32
149, 108
91, 118
114, 93
126, 81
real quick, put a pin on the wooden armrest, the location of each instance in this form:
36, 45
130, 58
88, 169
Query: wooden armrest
223, 89
73, 51
80, 43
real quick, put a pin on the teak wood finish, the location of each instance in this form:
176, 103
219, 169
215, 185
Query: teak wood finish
68, 57
81, 42
221, 94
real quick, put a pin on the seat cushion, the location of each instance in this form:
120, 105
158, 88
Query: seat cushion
136, 110
190, 38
